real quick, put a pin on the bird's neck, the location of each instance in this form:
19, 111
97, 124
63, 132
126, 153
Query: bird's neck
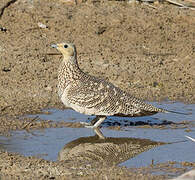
69, 71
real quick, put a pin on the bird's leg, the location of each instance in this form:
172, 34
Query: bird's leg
97, 121
94, 120
101, 119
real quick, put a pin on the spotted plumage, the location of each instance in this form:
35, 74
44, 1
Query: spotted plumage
93, 96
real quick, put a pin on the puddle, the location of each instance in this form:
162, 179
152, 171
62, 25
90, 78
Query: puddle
77, 143
69, 115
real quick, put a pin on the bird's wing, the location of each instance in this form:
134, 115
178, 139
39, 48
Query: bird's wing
92, 95
107, 99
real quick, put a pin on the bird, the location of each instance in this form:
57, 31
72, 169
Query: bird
94, 96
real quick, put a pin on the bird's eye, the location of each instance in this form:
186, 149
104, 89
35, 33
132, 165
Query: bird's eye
65, 46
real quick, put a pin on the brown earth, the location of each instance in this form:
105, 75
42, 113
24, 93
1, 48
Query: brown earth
147, 51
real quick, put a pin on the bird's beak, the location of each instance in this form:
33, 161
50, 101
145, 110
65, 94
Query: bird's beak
54, 46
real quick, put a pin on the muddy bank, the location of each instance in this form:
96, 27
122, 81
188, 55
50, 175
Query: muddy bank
17, 166
14, 166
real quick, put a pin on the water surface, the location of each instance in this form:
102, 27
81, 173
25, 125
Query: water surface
47, 143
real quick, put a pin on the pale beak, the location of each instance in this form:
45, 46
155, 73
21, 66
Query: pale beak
54, 46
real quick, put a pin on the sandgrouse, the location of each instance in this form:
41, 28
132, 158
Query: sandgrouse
93, 96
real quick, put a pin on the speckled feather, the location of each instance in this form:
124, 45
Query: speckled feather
93, 96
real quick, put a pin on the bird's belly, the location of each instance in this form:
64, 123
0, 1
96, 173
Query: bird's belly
76, 107
83, 110
88, 111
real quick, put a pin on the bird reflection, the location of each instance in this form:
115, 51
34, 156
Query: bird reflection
107, 150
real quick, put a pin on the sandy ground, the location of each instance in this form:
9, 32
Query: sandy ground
146, 51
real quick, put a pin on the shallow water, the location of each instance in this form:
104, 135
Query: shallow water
48, 143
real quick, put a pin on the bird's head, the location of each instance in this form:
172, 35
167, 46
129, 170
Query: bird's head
68, 50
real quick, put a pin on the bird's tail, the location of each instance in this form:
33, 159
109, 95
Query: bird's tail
175, 112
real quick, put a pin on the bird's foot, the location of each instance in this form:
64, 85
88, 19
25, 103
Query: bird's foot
94, 124
85, 123
88, 126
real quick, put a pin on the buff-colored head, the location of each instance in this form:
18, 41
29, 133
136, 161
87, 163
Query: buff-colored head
68, 50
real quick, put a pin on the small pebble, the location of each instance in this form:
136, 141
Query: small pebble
41, 25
